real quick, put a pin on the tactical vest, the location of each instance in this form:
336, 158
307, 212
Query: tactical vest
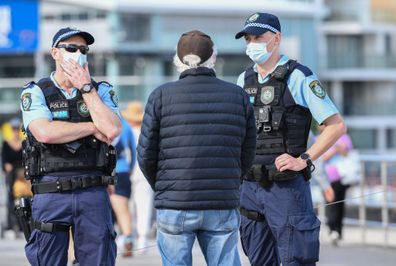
82, 155
282, 125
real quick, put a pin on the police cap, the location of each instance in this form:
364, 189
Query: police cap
259, 23
66, 33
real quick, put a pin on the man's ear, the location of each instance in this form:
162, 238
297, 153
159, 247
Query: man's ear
56, 54
278, 38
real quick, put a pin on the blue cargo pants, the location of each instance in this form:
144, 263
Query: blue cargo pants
88, 211
289, 232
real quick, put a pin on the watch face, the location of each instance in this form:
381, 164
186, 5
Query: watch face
304, 156
86, 88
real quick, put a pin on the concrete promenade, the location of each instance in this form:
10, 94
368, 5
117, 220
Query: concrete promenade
350, 252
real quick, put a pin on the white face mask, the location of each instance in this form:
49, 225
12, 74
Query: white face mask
257, 51
80, 58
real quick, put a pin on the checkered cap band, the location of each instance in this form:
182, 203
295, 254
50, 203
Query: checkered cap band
259, 25
64, 36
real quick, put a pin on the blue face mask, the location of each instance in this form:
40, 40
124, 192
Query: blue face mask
257, 51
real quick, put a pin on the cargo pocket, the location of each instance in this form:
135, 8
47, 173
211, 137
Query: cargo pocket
304, 238
110, 248
32, 249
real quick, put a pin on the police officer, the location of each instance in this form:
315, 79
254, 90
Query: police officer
278, 223
70, 120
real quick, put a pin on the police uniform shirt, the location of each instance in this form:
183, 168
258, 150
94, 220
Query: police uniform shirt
34, 107
305, 89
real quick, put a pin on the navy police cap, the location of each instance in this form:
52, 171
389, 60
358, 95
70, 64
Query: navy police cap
259, 23
66, 33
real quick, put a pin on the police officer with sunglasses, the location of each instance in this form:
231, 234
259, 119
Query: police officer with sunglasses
70, 121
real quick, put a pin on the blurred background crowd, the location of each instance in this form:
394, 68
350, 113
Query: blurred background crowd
351, 45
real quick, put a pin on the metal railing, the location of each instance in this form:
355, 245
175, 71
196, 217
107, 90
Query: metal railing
384, 162
380, 197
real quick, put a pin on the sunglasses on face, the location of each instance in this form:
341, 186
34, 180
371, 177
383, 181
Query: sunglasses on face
72, 48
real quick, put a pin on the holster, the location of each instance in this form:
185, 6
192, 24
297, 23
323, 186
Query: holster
258, 174
23, 211
30, 159
107, 158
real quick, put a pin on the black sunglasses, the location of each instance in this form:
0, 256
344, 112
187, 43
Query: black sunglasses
72, 48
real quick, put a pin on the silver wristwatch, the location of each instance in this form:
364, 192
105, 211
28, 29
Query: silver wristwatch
86, 88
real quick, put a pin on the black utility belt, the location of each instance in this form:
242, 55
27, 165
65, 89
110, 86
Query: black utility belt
72, 184
267, 174
259, 172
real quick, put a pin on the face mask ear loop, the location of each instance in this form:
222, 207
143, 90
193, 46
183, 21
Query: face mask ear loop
266, 44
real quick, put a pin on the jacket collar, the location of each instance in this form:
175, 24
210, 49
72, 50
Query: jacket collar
199, 71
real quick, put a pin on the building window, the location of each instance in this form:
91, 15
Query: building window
345, 51
391, 138
135, 27
101, 15
66, 17
17, 66
83, 16
364, 139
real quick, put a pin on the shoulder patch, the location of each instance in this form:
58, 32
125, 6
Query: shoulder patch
26, 101
305, 70
317, 89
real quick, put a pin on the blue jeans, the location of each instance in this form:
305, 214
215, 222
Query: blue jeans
216, 231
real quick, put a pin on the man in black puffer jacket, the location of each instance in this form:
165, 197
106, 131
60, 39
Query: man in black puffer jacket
197, 141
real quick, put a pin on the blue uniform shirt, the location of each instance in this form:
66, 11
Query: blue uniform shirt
126, 149
34, 107
306, 91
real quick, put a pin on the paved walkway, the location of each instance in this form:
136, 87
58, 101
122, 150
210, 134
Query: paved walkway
350, 252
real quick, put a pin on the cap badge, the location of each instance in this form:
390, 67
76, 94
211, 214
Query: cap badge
253, 17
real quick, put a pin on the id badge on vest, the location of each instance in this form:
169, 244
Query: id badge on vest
60, 110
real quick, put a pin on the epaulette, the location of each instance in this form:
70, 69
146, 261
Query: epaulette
305, 70
29, 84
106, 83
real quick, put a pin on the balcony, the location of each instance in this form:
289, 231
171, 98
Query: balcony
364, 61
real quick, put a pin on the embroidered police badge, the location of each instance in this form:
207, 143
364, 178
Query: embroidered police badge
253, 17
267, 94
26, 101
113, 97
82, 109
317, 89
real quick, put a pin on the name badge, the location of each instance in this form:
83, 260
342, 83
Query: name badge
60, 109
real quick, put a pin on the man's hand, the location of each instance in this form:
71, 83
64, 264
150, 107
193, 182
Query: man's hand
329, 194
77, 75
8, 167
288, 162
101, 137
110, 189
